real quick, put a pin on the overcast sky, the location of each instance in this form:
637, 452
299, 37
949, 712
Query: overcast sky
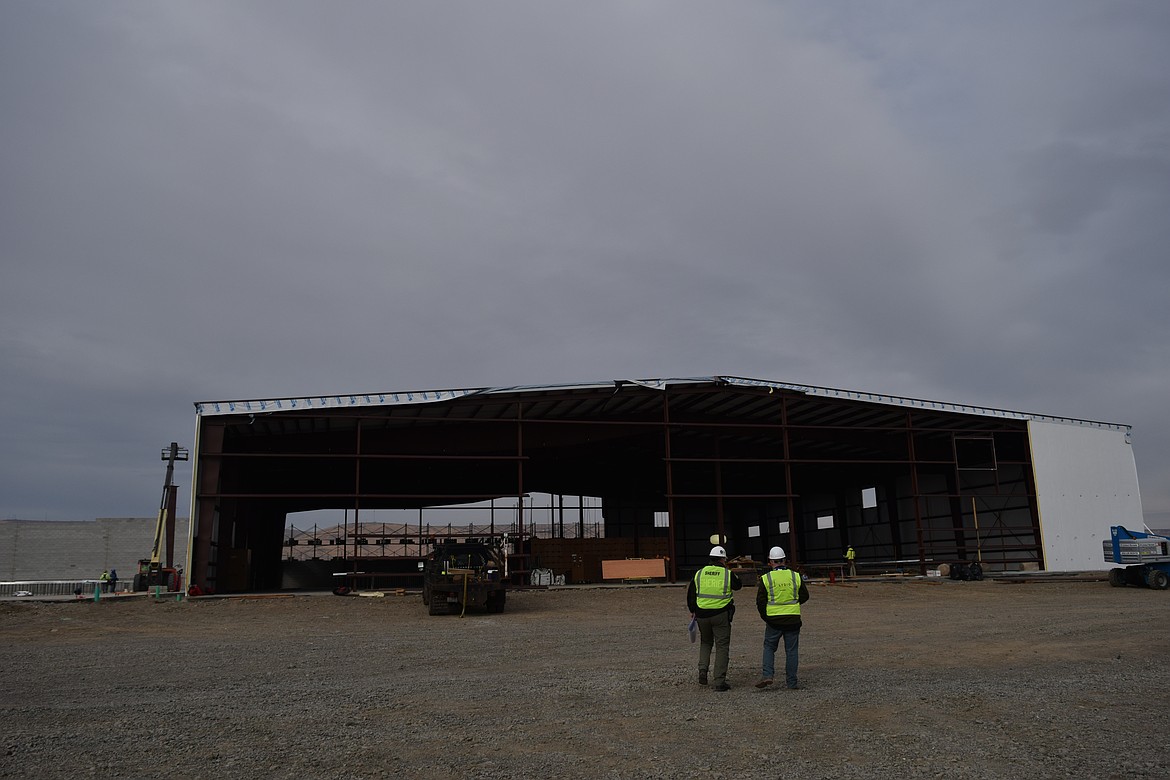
960, 201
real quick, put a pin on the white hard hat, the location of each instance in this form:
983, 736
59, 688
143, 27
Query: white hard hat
718, 552
776, 554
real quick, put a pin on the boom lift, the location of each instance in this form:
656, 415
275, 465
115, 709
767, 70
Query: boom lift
1148, 554
151, 572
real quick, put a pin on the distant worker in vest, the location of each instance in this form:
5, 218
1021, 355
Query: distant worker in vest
713, 607
778, 598
851, 557
104, 579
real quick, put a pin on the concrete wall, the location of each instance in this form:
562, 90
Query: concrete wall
47, 550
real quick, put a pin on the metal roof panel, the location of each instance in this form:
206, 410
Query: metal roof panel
416, 397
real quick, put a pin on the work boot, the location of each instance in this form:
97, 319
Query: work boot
702, 677
721, 687
764, 682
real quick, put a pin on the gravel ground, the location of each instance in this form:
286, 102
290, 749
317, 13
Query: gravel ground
913, 679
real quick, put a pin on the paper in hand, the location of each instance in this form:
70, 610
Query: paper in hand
693, 629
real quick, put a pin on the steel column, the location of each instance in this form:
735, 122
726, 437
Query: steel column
910, 451
793, 547
669, 487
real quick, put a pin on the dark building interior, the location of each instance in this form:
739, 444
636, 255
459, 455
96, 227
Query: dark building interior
909, 484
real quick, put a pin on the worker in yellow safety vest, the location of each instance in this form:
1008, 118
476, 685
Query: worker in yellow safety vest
851, 557
778, 598
712, 605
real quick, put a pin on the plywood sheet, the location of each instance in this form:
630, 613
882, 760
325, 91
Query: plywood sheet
633, 568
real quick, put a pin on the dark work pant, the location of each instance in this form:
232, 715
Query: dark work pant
715, 632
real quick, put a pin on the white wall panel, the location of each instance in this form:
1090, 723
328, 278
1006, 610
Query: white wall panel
1086, 481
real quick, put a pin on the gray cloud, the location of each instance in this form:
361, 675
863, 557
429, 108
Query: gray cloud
208, 200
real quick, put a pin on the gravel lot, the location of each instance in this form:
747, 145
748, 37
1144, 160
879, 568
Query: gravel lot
907, 679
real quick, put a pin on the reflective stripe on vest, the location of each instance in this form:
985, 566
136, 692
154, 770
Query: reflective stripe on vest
715, 577
777, 604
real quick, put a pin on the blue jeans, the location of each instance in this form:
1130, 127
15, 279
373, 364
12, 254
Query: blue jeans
791, 654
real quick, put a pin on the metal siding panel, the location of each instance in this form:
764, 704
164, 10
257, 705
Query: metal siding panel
1086, 481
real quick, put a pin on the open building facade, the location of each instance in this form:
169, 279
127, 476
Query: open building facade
669, 464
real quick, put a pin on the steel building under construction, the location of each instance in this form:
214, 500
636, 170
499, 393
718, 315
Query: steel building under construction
671, 463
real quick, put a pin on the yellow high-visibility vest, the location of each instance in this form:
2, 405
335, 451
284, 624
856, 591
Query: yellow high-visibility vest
783, 587
712, 587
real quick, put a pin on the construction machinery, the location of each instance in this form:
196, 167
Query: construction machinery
1147, 553
151, 571
458, 575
